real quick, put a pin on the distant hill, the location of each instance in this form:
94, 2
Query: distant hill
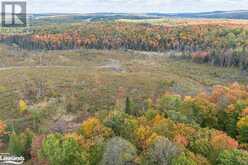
75, 17
240, 14
65, 17
92, 17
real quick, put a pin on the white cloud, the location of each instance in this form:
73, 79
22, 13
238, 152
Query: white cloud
135, 6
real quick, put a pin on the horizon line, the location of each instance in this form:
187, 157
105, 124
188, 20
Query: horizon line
139, 12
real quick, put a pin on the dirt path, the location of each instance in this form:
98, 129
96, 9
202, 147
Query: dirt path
36, 67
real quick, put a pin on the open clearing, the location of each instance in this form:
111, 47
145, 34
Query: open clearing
98, 75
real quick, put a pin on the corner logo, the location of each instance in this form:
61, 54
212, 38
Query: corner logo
14, 14
6, 158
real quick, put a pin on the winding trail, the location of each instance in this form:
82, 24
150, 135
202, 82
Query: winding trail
37, 67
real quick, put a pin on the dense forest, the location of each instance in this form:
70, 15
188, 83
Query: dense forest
224, 46
179, 130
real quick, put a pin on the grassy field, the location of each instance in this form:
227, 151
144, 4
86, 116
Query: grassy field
94, 79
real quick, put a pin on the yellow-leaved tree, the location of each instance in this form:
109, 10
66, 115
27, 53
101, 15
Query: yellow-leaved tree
22, 106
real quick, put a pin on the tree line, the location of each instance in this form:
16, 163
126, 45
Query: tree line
218, 45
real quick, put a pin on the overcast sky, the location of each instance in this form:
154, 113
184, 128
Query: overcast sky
134, 6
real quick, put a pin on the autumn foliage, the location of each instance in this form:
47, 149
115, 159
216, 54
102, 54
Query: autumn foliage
2, 128
224, 46
203, 129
